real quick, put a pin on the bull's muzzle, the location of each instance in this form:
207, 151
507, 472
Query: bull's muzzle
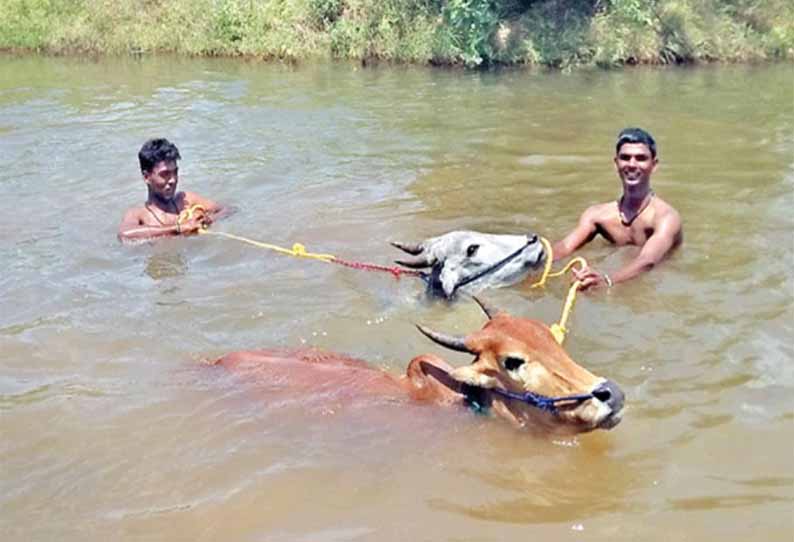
613, 397
610, 394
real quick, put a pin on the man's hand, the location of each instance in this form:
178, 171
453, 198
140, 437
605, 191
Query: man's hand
590, 278
199, 219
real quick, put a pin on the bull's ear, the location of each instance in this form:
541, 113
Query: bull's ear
429, 379
474, 375
412, 249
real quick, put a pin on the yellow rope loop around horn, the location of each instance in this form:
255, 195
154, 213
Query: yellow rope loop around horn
559, 330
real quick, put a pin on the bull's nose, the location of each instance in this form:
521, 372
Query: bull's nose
610, 393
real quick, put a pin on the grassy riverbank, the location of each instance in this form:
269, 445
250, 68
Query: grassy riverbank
557, 33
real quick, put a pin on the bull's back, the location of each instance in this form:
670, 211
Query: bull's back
311, 372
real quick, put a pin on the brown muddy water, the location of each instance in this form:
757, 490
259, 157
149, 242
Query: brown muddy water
112, 429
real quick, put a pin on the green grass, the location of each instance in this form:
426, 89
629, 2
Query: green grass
556, 33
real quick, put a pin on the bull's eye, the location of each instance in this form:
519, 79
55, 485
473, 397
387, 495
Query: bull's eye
512, 363
471, 250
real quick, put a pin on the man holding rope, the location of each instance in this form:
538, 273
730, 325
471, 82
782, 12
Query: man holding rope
638, 218
166, 212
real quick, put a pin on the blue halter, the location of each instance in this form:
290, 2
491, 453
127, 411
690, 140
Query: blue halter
542, 402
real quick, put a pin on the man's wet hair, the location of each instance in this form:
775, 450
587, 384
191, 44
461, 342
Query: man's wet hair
157, 150
635, 135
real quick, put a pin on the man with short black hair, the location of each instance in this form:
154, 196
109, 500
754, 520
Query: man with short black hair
166, 211
639, 217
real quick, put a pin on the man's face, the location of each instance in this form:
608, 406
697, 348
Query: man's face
162, 179
635, 164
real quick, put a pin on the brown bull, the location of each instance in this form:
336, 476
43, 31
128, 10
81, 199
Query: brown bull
519, 373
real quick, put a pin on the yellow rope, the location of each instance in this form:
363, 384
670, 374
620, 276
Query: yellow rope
547, 269
188, 213
559, 330
297, 250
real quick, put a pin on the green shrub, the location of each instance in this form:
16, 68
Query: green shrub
637, 12
27, 24
321, 14
471, 26
230, 22
558, 33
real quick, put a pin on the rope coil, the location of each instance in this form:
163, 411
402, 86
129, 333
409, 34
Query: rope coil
189, 213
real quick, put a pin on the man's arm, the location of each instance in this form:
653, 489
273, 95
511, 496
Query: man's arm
664, 238
215, 210
658, 245
132, 228
583, 233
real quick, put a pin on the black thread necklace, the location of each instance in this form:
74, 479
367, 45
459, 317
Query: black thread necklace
645, 204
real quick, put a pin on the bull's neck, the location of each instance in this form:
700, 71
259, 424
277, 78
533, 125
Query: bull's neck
427, 378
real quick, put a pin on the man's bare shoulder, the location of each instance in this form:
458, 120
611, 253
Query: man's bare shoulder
191, 198
600, 212
135, 215
133, 218
664, 212
664, 207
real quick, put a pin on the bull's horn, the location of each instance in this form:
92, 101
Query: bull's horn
416, 264
413, 250
489, 310
447, 341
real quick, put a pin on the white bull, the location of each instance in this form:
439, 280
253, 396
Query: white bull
469, 261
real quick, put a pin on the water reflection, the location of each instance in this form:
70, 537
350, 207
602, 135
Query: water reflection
543, 482
726, 501
165, 265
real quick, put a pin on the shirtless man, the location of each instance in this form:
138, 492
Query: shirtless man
160, 215
638, 218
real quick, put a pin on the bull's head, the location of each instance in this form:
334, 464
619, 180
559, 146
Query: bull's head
468, 261
522, 374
